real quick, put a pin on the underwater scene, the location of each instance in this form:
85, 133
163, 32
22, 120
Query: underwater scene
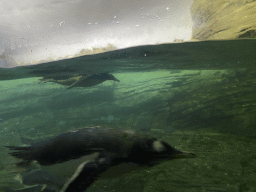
193, 97
128, 96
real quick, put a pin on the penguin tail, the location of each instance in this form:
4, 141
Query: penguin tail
21, 152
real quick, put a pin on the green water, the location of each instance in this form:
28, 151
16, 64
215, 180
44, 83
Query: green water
210, 111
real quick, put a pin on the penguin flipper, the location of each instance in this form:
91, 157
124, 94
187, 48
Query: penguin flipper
87, 173
78, 81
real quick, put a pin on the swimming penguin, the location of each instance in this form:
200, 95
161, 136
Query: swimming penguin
92, 80
80, 80
103, 148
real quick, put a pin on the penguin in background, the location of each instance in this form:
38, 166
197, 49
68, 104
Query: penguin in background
92, 80
80, 80
96, 149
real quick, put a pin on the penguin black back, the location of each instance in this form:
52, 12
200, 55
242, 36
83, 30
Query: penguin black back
77, 143
114, 146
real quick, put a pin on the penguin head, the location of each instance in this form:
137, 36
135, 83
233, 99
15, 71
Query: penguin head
108, 76
152, 151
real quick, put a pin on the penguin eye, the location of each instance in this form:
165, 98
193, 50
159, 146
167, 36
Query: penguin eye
158, 146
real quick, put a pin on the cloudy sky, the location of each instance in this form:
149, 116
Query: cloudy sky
39, 29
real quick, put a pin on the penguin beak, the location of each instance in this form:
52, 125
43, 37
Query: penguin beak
182, 154
171, 155
111, 77
115, 79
